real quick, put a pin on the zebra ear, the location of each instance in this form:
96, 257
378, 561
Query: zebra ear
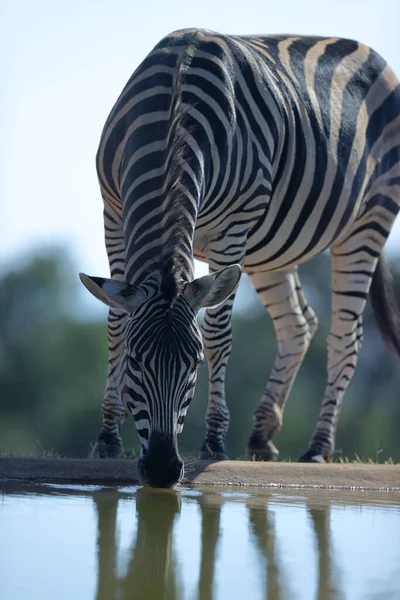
116, 294
211, 290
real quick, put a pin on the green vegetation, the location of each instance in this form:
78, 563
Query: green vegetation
53, 361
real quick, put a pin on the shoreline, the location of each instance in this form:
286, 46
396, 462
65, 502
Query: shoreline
199, 473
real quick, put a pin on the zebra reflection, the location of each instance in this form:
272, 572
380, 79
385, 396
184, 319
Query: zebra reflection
106, 503
262, 523
265, 535
151, 571
210, 507
327, 588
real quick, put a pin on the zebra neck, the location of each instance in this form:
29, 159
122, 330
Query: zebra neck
159, 228
163, 244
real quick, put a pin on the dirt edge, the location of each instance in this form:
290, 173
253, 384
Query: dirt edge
227, 473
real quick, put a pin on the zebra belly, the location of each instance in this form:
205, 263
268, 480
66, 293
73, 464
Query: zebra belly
292, 243
273, 246
274, 243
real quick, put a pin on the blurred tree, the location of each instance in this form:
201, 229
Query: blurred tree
51, 365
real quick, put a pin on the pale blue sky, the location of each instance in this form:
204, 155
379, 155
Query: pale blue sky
63, 65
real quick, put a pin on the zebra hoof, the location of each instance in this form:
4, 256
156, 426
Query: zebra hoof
312, 456
268, 453
107, 446
208, 453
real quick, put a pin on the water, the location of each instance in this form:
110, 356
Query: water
71, 542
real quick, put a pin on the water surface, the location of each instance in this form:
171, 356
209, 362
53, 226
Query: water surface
101, 543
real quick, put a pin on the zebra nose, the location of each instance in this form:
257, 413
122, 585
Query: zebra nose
161, 475
161, 466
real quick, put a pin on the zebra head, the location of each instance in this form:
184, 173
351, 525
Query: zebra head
162, 351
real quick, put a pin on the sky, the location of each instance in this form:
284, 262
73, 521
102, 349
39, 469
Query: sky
63, 65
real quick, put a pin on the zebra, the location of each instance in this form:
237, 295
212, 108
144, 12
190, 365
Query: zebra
253, 154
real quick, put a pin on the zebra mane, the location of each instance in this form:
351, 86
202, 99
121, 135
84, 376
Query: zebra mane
176, 256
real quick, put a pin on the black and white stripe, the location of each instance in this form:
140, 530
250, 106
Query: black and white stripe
258, 151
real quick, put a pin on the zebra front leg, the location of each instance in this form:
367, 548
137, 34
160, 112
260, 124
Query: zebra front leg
109, 441
217, 338
295, 324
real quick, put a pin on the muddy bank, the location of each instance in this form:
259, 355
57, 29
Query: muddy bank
235, 473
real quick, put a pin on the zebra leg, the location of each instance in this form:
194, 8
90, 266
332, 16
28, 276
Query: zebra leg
109, 441
295, 324
217, 338
352, 271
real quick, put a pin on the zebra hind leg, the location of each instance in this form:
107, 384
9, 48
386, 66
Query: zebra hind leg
353, 267
295, 324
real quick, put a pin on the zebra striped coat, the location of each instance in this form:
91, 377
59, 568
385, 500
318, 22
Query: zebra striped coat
253, 153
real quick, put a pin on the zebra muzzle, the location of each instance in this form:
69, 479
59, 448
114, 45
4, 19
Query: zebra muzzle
161, 466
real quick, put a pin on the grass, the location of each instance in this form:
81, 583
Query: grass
133, 453
343, 459
361, 460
